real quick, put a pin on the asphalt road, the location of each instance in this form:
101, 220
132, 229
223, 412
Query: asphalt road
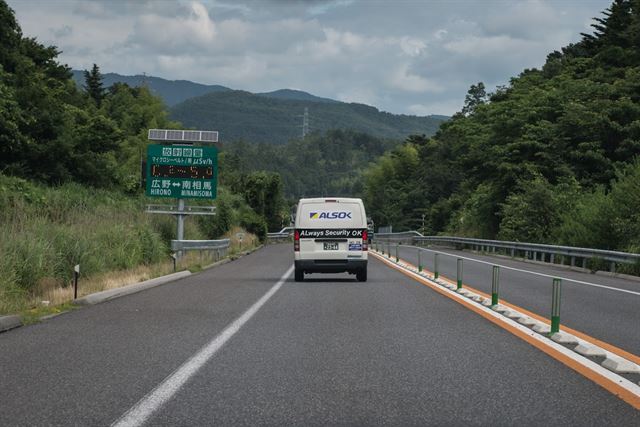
327, 351
604, 313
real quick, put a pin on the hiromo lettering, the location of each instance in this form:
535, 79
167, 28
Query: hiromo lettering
330, 215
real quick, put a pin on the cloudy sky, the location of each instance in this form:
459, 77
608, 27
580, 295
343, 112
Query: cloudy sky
412, 57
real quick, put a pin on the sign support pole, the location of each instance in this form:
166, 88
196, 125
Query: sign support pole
180, 231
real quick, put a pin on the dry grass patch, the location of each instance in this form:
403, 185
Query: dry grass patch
249, 241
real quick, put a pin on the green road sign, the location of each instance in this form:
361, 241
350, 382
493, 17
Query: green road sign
182, 172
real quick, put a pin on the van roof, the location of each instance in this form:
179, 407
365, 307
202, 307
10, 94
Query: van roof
323, 199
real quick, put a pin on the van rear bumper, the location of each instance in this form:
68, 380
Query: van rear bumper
331, 265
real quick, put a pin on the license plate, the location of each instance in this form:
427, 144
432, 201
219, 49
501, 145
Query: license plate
330, 246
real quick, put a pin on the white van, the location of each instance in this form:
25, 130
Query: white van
330, 236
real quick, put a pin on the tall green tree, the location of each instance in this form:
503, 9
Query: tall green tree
93, 84
52, 132
476, 95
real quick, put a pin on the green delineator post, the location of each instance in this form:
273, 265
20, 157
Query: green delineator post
419, 261
555, 305
435, 267
459, 273
397, 246
495, 285
389, 249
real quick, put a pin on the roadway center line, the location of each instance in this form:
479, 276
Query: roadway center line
506, 267
154, 400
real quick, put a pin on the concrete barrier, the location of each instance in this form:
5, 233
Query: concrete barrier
110, 294
9, 322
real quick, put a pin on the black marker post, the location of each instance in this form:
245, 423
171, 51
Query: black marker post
76, 273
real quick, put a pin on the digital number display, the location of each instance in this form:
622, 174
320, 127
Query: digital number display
172, 171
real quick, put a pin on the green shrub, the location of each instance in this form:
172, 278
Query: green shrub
254, 223
215, 226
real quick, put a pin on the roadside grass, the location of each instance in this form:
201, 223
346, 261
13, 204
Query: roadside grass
249, 240
56, 299
46, 231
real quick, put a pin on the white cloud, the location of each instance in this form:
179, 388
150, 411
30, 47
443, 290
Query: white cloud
529, 19
322, 8
362, 95
403, 79
436, 107
412, 46
192, 31
403, 58
480, 46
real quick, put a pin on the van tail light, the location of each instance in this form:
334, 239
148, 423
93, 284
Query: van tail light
365, 240
296, 241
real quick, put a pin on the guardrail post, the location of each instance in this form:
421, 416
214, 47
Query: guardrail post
584, 262
613, 266
389, 249
419, 261
495, 285
435, 267
459, 273
552, 258
573, 261
555, 305
513, 253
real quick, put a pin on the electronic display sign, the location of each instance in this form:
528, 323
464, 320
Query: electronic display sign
182, 172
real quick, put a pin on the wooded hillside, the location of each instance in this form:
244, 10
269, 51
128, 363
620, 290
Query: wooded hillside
551, 157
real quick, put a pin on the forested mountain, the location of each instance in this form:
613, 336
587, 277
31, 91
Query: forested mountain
318, 165
257, 118
295, 95
552, 157
172, 92
274, 117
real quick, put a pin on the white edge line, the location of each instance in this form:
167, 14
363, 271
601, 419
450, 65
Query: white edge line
506, 267
621, 381
163, 392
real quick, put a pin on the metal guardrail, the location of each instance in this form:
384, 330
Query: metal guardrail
174, 210
388, 248
534, 251
283, 234
186, 245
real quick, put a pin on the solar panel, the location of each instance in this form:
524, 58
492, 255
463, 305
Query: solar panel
159, 134
191, 135
209, 136
173, 135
